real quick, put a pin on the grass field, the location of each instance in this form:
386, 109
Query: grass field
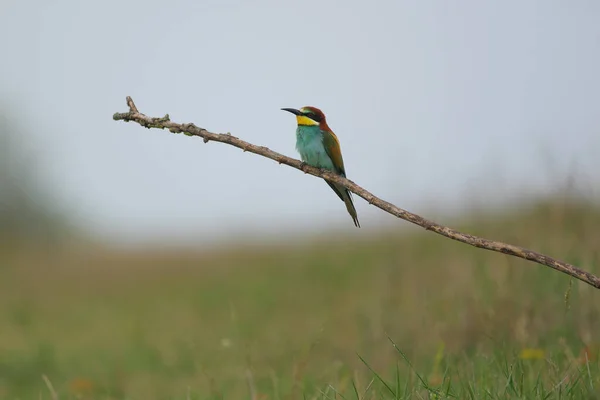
401, 315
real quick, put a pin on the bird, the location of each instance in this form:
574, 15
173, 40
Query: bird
319, 147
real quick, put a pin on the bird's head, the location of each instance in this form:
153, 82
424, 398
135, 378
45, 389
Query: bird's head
308, 116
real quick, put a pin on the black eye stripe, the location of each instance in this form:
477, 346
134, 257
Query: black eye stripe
313, 116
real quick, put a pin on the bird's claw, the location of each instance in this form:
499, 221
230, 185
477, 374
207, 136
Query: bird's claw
302, 166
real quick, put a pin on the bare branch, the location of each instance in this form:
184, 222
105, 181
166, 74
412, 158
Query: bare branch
190, 129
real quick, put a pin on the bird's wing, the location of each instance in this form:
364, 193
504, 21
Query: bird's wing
332, 147
336, 189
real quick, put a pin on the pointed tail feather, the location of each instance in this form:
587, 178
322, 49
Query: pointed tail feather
346, 197
350, 208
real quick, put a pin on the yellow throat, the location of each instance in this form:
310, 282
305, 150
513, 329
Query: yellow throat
302, 120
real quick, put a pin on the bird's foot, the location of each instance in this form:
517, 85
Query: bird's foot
302, 166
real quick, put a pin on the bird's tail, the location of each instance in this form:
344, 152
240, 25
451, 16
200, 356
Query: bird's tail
346, 197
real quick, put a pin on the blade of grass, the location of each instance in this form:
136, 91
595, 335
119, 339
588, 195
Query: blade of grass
425, 384
379, 378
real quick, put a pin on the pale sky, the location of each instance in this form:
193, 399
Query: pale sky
437, 105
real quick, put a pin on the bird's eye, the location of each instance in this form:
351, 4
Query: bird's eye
313, 116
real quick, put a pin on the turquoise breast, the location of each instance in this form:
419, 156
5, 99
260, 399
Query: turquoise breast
309, 143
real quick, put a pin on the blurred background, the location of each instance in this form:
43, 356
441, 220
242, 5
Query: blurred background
136, 263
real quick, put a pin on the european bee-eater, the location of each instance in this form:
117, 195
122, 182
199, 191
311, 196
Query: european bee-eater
319, 147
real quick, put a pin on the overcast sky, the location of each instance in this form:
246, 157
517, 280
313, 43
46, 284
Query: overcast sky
437, 104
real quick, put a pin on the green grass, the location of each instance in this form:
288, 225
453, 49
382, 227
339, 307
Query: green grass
398, 316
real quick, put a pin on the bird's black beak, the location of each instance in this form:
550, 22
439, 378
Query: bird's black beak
293, 111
